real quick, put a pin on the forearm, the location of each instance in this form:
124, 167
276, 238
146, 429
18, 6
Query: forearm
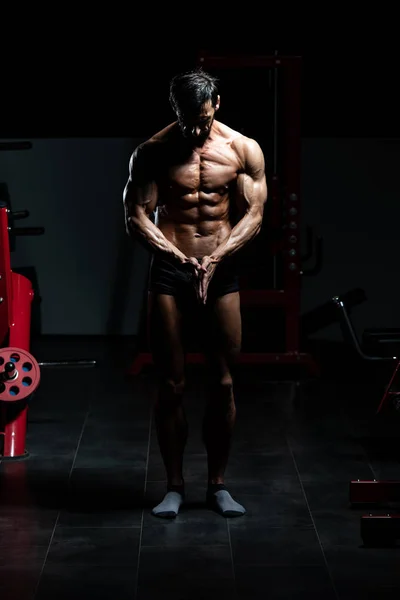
148, 234
243, 232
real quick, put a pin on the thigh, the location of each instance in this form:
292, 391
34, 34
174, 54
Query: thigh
224, 337
165, 336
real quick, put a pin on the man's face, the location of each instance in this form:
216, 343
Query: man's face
197, 127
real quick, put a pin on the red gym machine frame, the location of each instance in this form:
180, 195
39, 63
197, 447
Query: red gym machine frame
290, 297
16, 296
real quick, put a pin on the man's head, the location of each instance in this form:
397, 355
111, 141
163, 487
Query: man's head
194, 99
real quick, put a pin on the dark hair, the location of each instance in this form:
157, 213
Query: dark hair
189, 91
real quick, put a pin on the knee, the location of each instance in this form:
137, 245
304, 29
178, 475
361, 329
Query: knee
222, 389
231, 355
171, 392
225, 383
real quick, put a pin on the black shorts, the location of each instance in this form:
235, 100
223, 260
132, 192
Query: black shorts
174, 279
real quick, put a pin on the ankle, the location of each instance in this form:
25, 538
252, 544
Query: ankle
174, 486
213, 488
175, 481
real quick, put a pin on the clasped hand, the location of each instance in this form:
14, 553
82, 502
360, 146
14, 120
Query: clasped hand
203, 272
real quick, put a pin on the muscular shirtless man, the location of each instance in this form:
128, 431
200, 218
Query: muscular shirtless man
190, 175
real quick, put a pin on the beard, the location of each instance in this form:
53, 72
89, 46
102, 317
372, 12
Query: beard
191, 137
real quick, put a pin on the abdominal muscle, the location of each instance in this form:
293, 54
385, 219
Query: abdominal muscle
196, 228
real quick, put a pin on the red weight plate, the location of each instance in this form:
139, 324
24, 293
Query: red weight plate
24, 379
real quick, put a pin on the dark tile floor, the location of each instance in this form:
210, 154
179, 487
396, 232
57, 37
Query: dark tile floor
75, 516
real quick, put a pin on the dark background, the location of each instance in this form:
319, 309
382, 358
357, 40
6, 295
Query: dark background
121, 91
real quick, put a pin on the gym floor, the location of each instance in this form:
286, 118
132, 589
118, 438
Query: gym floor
75, 516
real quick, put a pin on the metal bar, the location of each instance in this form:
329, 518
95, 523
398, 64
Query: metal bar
235, 61
275, 165
250, 298
275, 128
68, 363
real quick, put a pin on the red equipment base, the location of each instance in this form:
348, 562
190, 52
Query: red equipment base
374, 492
380, 530
377, 530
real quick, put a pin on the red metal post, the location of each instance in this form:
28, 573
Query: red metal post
5, 295
291, 168
5, 275
17, 294
389, 391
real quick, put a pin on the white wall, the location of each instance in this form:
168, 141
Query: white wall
87, 268
351, 194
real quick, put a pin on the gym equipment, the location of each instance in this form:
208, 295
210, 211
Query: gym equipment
381, 341
16, 295
380, 530
326, 314
19, 371
21, 374
374, 492
15, 216
375, 529
350, 335
272, 266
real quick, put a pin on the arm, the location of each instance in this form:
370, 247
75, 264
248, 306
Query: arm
140, 201
252, 195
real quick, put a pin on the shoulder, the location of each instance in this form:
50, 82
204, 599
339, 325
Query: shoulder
251, 156
141, 154
149, 153
248, 149
145, 151
154, 144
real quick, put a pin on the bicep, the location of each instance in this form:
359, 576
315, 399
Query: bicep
141, 190
251, 181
